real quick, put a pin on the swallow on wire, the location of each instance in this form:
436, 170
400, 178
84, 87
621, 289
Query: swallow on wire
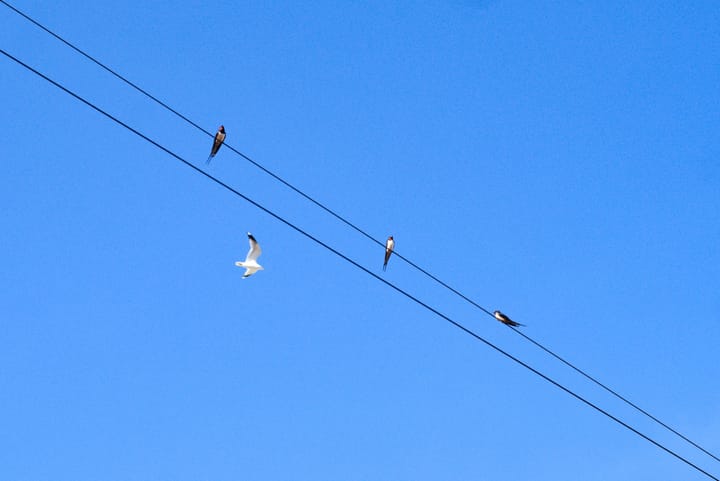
217, 143
389, 246
505, 319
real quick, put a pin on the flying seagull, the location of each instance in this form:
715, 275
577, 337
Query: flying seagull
217, 143
250, 263
389, 246
505, 319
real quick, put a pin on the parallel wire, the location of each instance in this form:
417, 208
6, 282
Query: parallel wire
241, 154
206, 132
357, 229
627, 401
359, 266
361, 231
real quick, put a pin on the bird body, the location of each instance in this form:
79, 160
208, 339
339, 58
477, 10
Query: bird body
250, 263
505, 319
389, 246
217, 143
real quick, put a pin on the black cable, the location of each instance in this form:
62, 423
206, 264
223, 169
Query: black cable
230, 147
166, 106
358, 229
361, 231
588, 376
362, 268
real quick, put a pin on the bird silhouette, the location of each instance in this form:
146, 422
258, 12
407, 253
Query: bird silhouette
217, 143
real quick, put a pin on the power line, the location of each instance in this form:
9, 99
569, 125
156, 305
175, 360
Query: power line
201, 129
230, 147
361, 267
359, 230
614, 393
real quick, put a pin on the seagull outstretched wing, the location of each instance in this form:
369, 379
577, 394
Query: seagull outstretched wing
254, 251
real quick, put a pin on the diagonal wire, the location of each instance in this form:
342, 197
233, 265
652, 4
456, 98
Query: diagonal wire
361, 267
186, 119
230, 147
614, 393
358, 229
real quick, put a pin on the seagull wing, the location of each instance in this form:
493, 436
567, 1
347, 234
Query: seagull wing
254, 251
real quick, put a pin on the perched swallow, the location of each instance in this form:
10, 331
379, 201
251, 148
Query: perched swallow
389, 246
217, 143
250, 263
505, 319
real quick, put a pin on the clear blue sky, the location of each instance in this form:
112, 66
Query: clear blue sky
556, 160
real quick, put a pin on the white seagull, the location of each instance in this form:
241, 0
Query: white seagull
250, 263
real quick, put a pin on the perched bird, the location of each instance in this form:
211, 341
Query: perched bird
389, 246
505, 319
250, 263
217, 143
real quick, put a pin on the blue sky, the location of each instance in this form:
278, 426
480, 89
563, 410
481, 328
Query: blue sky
556, 160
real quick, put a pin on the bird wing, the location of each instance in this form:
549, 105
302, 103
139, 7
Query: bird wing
217, 142
254, 251
215, 146
506, 320
389, 246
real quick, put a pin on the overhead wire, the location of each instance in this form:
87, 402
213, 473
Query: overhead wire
233, 149
361, 267
360, 230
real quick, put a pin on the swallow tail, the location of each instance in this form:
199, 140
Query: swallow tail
387, 258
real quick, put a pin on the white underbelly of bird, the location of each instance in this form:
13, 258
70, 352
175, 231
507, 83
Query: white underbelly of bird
251, 267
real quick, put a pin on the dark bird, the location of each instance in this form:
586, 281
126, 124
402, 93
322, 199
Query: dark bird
505, 319
389, 246
217, 143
